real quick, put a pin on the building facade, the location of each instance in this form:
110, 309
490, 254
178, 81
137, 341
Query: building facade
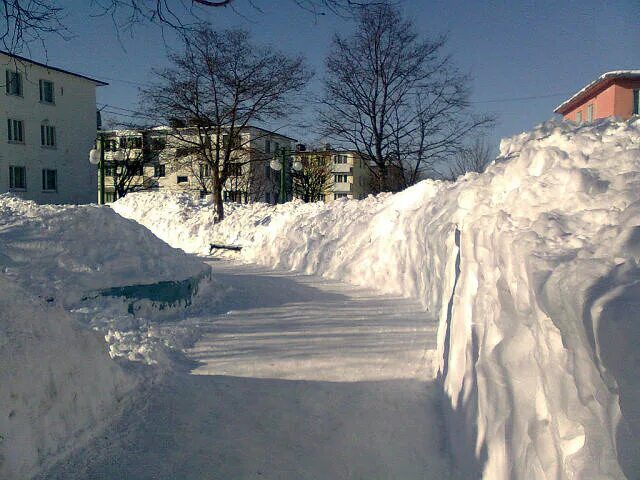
49, 118
347, 174
613, 94
157, 158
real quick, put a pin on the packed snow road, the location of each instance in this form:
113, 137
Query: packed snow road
302, 378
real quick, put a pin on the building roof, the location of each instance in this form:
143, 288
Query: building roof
49, 67
602, 81
161, 128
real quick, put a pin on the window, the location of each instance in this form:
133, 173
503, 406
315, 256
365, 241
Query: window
158, 170
49, 180
267, 146
158, 143
361, 181
267, 197
342, 178
131, 142
579, 117
267, 171
234, 196
109, 170
339, 195
109, 197
277, 147
636, 102
135, 169
590, 113
110, 145
18, 177
340, 159
47, 136
234, 169
15, 131
13, 83
205, 170
46, 91
182, 179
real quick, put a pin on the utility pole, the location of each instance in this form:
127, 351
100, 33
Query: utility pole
283, 192
101, 167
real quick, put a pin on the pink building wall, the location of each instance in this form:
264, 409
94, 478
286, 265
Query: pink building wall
614, 98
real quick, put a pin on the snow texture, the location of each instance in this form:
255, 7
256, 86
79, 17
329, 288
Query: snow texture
531, 268
65, 270
58, 386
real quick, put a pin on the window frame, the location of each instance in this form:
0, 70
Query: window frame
636, 102
12, 178
590, 112
11, 131
579, 117
9, 82
159, 170
182, 179
46, 178
42, 92
48, 138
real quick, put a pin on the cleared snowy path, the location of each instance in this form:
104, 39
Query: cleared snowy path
303, 378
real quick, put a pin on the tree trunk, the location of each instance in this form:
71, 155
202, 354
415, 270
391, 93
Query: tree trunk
219, 204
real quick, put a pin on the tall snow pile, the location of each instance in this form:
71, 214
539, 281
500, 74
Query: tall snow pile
58, 386
531, 268
65, 270
64, 253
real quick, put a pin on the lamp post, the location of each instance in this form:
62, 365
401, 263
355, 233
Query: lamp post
280, 164
96, 157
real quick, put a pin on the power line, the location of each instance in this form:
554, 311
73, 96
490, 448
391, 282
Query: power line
518, 99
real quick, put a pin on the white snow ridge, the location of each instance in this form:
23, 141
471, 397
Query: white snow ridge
531, 268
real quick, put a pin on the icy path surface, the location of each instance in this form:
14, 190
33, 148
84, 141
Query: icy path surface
302, 378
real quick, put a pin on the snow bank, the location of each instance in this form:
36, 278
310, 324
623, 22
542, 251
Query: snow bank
58, 386
532, 269
64, 253
65, 271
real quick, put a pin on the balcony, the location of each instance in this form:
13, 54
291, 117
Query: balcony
343, 187
341, 168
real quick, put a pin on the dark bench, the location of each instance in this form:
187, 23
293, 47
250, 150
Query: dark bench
220, 246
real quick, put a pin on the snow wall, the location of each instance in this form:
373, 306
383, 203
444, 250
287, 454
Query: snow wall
65, 270
531, 268
58, 385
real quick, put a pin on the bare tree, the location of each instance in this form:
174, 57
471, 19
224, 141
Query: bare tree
125, 160
214, 90
394, 98
314, 180
473, 158
24, 21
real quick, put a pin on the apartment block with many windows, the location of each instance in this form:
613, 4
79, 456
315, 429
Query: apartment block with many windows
49, 118
158, 158
349, 176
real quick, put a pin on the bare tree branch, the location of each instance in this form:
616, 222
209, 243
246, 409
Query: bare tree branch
217, 87
394, 98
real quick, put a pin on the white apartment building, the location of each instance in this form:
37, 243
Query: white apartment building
153, 155
49, 125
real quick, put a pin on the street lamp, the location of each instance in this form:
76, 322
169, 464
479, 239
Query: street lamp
96, 157
279, 165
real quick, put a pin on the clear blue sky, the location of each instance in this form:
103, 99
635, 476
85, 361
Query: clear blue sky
514, 50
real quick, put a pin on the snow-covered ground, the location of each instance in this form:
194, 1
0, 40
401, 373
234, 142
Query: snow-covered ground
58, 386
302, 378
64, 272
531, 269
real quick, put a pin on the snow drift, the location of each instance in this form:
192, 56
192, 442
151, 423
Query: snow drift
60, 266
531, 268
58, 386
64, 253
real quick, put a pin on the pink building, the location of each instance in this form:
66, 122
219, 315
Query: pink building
613, 94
